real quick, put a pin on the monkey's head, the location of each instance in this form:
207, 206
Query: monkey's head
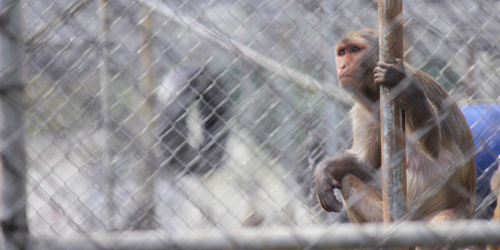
356, 56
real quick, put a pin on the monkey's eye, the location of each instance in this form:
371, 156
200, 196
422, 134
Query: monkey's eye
355, 49
342, 52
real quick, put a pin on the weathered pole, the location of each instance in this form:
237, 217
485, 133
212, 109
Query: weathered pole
146, 112
13, 153
105, 95
390, 14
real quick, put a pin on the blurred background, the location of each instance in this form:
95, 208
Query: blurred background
199, 114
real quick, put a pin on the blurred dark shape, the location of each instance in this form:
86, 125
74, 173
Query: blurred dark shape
484, 121
253, 220
185, 87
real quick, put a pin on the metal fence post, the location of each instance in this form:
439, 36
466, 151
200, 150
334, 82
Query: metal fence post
104, 78
390, 14
146, 112
14, 220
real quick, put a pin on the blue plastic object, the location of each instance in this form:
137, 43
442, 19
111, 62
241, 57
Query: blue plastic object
484, 121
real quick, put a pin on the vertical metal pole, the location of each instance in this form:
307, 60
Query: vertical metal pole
104, 96
14, 222
390, 14
148, 140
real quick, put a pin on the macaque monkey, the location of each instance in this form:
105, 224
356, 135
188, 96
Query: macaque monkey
441, 171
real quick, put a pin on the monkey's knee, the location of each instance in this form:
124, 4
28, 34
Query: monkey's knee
449, 215
350, 186
362, 202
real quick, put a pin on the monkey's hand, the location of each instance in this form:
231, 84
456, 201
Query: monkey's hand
389, 74
325, 183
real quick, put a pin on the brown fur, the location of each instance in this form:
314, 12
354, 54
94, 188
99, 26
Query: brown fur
441, 173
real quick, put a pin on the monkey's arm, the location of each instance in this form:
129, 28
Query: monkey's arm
329, 174
421, 115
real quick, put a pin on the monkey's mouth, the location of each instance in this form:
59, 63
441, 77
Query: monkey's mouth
349, 82
346, 76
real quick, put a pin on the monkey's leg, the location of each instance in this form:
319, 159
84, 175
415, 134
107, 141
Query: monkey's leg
363, 203
443, 216
449, 215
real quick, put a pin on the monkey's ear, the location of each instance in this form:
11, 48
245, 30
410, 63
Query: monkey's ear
370, 31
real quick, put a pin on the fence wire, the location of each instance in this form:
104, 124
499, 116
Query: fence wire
183, 116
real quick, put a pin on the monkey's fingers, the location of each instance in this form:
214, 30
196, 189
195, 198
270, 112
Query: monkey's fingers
335, 184
399, 62
328, 200
379, 78
379, 69
384, 65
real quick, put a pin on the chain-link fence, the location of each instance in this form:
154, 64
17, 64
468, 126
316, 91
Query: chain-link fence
185, 116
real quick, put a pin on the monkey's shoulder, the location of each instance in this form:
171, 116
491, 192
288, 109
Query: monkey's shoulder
432, 89
454, 127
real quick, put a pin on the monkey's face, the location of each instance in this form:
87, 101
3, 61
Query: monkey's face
355, 64
356, 56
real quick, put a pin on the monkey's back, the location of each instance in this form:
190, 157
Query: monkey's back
456, 140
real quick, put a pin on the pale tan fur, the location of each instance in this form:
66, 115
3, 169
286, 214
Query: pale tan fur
366, 127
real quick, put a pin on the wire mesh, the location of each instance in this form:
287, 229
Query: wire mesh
195, 115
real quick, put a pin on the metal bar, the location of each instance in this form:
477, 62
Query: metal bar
14, 220
390, 14
146, 112
104, 96
343, 236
